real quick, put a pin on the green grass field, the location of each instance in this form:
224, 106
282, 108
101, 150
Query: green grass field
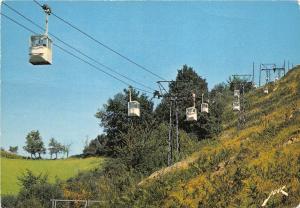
11, 169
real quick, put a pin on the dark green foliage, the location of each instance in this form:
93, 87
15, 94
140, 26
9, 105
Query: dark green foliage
240, 84
112, 185
187, 82
30, 203
113, 116
144, 149
36, 191
9, 201
97, 146
34, 144
219, 97
55, 148
115, 121
13, 149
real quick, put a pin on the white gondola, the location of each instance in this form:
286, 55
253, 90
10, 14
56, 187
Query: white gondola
236, 93
40, 50
204, 107
236, 106
266, 90
191, 114
133, 107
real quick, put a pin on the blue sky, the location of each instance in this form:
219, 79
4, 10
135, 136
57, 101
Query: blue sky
216, 38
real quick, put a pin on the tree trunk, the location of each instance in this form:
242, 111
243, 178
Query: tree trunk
55, 155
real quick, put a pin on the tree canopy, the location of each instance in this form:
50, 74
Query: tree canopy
116, 122
114, 118
34, 144
55, 147
13, 149
237, 83
187, 82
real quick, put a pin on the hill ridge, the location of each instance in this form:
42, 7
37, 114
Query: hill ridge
247, 164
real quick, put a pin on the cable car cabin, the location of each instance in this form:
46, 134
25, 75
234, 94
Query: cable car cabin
266, 90
236, 93
204, 107
134, 108
236, 106
191, 114
40, 51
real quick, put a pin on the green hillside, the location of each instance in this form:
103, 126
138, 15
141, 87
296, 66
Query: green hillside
239, 168
11, 169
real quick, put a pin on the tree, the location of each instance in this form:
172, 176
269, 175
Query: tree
144, 149
52, 147
36, 191
34, 144
97, 146
237, 83
55, 147
220, 95
115, 121
66, 149
187, 82
13, 150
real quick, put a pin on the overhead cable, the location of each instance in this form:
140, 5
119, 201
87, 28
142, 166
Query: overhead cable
77, 50
74, 55
103, 45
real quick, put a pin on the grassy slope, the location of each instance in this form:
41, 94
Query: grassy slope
240, 168
11, 169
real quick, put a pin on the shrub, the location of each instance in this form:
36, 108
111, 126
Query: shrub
9, 201
30, 203
36, 191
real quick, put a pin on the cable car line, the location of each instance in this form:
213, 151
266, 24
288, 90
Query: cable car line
77, 50
104, 45
97, 68
72, 54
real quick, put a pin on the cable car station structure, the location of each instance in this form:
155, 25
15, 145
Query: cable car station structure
268, 68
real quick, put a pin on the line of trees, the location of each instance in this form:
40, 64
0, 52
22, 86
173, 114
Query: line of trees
35, 146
